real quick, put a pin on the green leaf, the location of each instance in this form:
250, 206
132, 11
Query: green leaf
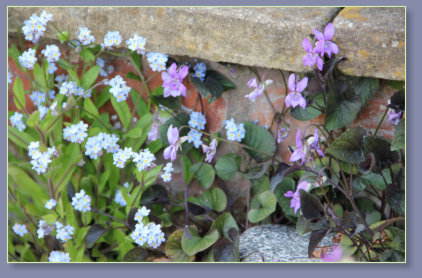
102, 97
174, 248
137, 254
381, 148
90, 107
142, 107
187, 173
123, 111
40, 78
214, 198
262, 206
34, 119
14, 53
227, 249
19, 94
137, 60
287, 184
135, 132
192, 243
371, 178
89, 77
63, 36
227, 166
94, 233
311, 111
343, 104
348, 147
399, 141
64, 64
86, 55
204, 173
258, 138
178, 121
366, 88
224, 223
373, 217
74, 76
27, 186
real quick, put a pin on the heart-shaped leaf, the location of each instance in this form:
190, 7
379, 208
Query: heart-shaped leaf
137, 254
260, 139
174, 248
213, 198
348, 147
227, 166
224, 223
194, 244
262, 206
399, 141
204, 173
381, 148
94, 233
311, 112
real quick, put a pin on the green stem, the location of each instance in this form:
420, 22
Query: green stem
379, 124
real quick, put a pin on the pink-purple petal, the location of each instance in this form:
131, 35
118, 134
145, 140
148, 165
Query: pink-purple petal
173, 70
291, 82
329, 31
183, 72
252, 83
301, 85
306, 44
318, 35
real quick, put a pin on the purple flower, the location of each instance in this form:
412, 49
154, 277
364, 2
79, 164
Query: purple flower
258, 89
313, 56
210, 151
324, 43
394, 117
173, 137
301, 150
153, 132
313, 144
295, 201
295, 98
334, 256
282, 134
173, 79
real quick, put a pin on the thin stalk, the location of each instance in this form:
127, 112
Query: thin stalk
379, 124
186, 194
111, 217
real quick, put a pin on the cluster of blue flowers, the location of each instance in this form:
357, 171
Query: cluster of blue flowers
143, 159
60, 78
103, 141
52, 54
84, 36
39, 160
198, 121
112, 38
81, 201
137, 43
200, 70
76, 133
157, 61
235, 132
16, 121
28, 59
104, 72
119, 89
167, 170
150, 233
72, 88
64, 233
121, 156
59, 257
34, 27
38, 98
119, 198
19, 229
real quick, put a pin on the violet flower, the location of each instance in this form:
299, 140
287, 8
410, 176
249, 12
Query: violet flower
258, 89
295, 201
295, 98
324, 44
173, 137
282, 134
313, 143
394, 116
153, 132
210, 151
301, 150
334, 256
173, 79
313, 56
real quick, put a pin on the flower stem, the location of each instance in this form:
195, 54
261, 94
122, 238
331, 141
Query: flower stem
382, 119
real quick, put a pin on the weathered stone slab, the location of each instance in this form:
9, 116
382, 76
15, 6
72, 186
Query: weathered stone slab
373, 40
276, 243
266, 37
